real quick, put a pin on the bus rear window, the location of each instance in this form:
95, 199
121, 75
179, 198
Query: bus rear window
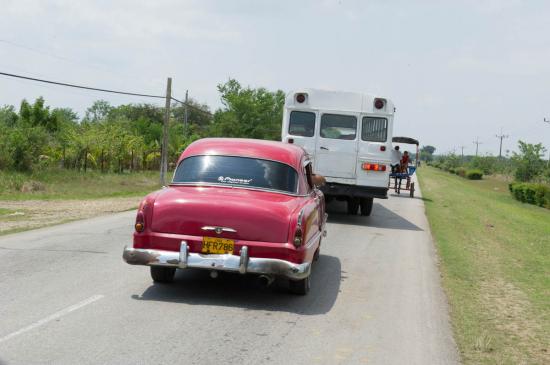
302, 124
338, 126
374, 129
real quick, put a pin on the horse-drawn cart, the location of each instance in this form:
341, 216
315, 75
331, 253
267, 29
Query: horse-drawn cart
399, 175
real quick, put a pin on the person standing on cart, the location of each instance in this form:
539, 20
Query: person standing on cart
404, 163
395, 160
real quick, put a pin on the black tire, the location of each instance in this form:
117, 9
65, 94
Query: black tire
366, 206
300, 287
412, 190
162, 274
353, 206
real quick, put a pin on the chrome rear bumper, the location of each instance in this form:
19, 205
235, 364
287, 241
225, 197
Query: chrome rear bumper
236, 263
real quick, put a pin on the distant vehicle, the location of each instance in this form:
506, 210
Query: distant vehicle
349, 137
406, 171
239, 205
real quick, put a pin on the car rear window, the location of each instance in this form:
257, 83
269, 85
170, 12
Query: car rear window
301, 124
237, 171
374, 129
338, 126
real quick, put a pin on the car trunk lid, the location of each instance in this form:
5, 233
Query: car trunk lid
195, 210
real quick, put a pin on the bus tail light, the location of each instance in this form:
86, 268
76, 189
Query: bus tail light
373, 166
301, 98
379, 103
382, 148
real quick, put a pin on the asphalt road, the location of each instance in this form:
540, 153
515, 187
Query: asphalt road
68, 298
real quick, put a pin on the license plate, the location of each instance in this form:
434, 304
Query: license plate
217, 245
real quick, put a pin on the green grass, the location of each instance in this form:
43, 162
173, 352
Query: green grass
66, 184
495, 262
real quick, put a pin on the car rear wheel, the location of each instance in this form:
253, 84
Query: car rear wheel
300, 287
366, 206
162, 274
353, 206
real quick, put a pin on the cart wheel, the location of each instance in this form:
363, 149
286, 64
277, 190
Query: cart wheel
366, 206
412, 190
353, 206
408, 186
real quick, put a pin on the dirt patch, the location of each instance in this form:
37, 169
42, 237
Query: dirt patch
31, 214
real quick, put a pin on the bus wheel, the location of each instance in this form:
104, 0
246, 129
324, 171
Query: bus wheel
366, 206
353, 206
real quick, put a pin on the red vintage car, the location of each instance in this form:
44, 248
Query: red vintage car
238, 205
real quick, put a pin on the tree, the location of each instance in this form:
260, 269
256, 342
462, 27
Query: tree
8, 116
529, 162
426, 153
98, 112
248, 113
37, 114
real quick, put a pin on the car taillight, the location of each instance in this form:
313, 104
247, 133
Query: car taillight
140, 222
373, 167
298, 237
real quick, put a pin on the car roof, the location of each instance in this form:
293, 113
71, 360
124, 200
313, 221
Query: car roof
287, 153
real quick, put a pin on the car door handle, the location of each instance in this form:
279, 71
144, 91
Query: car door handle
324, 148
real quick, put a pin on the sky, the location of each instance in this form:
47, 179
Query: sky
457, 71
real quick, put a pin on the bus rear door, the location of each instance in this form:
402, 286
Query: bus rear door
336, 150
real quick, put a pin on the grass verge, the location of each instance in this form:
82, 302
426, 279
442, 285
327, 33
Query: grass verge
495, 262
67, 184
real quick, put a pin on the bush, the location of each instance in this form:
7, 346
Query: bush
474, 174
461, 171
451, 170
537, 194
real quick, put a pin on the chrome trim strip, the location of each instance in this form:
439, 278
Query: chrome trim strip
227, 262
300, 217
238, 187
243, 262
219, 230
184, 252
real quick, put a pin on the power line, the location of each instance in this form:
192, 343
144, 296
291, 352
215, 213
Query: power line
81, 87
192, 106
103, 90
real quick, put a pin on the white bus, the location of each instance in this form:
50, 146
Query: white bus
348, 136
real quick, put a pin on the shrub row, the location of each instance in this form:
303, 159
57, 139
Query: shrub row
460, 171
531, 193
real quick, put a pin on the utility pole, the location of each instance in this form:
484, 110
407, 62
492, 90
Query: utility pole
547, 162
501, 137
462, 152
477, 143
186, 114
164, 150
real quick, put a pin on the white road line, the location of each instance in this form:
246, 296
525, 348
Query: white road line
50, 318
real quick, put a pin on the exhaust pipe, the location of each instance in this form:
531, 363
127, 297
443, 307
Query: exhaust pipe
265, 280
